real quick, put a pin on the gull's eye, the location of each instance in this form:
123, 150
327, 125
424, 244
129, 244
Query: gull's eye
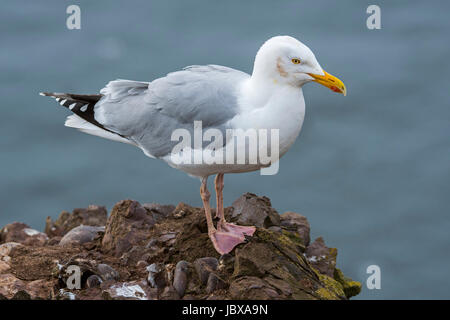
296, 61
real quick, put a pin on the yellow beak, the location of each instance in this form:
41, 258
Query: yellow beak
331, 82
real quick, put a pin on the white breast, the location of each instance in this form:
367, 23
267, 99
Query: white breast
275, 107
280, 108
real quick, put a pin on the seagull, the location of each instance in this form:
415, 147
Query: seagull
146, 115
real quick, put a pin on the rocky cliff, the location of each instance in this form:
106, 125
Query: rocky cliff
153, 251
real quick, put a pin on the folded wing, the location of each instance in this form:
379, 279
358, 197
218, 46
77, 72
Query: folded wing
148, 113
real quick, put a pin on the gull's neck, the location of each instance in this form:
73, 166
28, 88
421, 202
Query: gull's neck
269, 105
267, 80
259, 89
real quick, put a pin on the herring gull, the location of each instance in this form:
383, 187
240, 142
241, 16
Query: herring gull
218, 99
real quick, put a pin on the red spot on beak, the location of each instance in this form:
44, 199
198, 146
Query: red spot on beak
335, 89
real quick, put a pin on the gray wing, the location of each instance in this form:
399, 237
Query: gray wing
148, 113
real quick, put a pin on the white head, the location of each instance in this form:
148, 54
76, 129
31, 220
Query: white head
285, 60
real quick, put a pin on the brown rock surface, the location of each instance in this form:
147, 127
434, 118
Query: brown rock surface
321, 257
295, 222
22, 233
159, 211
91, 216
128, 225
81, 234
250, 209
160, 252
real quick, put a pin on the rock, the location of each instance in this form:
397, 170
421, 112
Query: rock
10, 285
22, 233
204, 266
128, 225
93, 281
54, 241
275, 229
351, 287
292, 221
269, 254
152, 243
168, 238
84, 267
283, 288
135, 254
91, 216
322, 258
4, 266
65, 295
170, 270
16, 289
181, 277
89, 270
226, 263
106, 272
181, 210
272, 264
33, 263
21, 295
157, 275
249, 209
135, 290
214, 296
81, 234
5, 249
169, 293
159, 211
40, 289
141, 264
215, 283
252, 288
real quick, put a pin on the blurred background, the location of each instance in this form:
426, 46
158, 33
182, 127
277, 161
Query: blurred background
370, 171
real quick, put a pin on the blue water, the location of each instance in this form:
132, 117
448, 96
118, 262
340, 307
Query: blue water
370, 171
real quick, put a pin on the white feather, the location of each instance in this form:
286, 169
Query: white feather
74, 121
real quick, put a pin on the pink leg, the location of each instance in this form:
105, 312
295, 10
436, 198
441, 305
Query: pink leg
222, 241
223, 225
218, 184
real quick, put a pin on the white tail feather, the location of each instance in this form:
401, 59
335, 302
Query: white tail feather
74, 121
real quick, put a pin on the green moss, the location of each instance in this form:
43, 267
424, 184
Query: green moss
270, 236
325, 294
316, 272
283, 241
351, 287
294, 237
331, 285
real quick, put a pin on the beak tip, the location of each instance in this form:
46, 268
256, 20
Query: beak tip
330, 82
